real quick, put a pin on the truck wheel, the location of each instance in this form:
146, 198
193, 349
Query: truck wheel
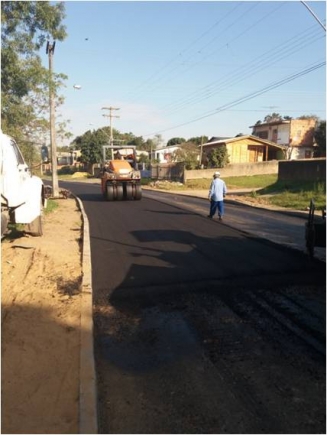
35, 227
119, 193
110, 193
129, 192
138, 192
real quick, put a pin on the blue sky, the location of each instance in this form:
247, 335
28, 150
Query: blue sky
184, 69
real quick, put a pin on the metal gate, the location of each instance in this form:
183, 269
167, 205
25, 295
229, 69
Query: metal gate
168, 171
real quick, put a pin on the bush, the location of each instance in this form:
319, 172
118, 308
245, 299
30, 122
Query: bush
66, 170
218, 157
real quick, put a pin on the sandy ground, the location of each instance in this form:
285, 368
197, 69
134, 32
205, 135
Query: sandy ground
41, 306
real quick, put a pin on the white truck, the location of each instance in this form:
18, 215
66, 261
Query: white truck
22, 194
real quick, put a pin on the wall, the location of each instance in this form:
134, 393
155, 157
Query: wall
302, 131
283, 135
238, 152
236, 170
302, 170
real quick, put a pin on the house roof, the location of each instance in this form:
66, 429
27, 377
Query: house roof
168, 148
264, 124
222, 141
214, 139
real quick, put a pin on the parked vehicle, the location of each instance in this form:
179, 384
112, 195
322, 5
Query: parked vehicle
119, 177
22, 194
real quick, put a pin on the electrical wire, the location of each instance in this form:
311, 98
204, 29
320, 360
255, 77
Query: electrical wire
253, 66
157, 82
247, 97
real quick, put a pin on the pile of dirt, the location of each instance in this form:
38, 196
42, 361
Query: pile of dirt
41, 309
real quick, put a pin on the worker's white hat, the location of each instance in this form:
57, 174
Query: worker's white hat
217, 174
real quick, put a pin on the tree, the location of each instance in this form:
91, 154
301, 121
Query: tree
273, 117
187, 153
158, 140
25, 27
308, 117
148, 145
136, 141
198, 140
218, 157
175, 141
320, 138
91, 147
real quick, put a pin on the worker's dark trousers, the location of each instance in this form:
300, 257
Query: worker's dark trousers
216, 205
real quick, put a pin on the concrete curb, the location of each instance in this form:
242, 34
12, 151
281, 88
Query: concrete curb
87, 419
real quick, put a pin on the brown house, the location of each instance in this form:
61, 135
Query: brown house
245, 149
295, 134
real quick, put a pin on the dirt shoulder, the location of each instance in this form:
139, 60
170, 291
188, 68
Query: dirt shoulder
41, 315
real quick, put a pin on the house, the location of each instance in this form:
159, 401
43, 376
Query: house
66, 158
295, 134
245, 149
164, 155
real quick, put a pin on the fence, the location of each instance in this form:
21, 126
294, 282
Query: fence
168, 171
305, 170
302, 170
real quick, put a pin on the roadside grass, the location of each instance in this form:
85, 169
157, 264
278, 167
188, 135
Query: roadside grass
296, 195
266, 188
15, 231
249, 182
51, 206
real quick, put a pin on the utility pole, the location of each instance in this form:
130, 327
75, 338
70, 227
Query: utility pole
55, 187
110, 116
201, 152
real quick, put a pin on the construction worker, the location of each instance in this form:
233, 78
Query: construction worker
217, 193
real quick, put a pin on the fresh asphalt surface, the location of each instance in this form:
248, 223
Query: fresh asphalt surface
201, 327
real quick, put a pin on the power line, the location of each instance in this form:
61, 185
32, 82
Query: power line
175, 67
256, 65
177, 57
159, 82
247, 97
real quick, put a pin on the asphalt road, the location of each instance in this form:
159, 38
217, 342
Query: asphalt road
201, 327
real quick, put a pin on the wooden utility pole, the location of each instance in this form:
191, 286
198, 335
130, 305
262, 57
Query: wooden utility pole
110, 116
201, 152
55, 187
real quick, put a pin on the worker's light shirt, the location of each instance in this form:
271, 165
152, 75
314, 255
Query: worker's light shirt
217, 190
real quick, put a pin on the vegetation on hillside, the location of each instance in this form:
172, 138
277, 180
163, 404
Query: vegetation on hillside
26, 26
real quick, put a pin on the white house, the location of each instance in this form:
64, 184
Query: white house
163, 155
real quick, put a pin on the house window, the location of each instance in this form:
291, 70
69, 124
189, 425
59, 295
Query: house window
262, 134
307, 154
274, 135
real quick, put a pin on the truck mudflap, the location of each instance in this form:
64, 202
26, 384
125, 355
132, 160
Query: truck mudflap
31, 209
